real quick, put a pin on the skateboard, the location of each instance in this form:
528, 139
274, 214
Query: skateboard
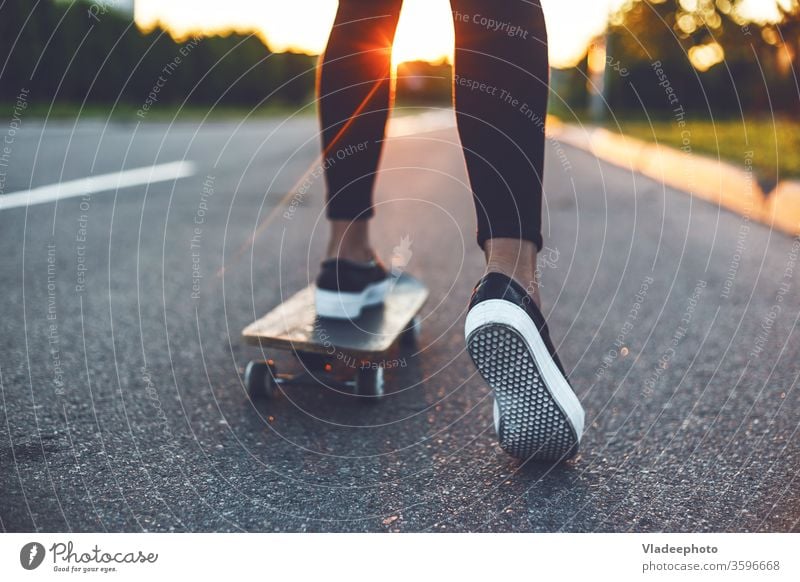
329, 349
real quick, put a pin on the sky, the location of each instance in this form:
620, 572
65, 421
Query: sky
425, 31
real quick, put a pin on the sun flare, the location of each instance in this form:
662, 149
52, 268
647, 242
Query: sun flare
425, 32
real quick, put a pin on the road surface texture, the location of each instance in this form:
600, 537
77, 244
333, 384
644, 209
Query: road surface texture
123, 407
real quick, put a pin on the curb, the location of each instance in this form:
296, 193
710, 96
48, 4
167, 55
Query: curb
783, 206
718, 182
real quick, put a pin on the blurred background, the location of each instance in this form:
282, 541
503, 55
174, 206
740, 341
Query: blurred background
731, 62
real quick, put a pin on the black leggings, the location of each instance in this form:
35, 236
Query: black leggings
501, 88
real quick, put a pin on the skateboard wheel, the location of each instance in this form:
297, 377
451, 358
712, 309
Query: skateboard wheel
259, 379
410, 336
369, 381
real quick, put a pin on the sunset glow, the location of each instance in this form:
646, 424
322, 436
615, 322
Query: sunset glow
425, 31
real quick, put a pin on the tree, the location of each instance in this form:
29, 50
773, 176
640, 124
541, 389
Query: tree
712, 57
60, 52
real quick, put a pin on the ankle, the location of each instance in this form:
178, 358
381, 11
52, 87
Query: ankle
350, 240
516, 259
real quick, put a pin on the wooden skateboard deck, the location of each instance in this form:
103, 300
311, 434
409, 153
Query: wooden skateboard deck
294, 324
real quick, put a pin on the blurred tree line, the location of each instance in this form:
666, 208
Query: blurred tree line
72, 51
714, 59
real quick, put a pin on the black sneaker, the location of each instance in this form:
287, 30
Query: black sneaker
536, 413
345, 287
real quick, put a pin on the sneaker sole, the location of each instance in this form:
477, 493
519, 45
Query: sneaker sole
537, 415
344, 305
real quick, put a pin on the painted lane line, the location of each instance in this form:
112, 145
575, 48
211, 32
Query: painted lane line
100, 183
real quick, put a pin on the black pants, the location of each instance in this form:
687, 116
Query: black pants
501, 88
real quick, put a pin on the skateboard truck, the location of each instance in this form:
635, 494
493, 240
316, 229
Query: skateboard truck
262, 379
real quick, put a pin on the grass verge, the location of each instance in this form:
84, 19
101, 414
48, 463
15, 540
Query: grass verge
775, 144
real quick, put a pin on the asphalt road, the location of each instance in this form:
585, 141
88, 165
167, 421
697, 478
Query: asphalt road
123, 408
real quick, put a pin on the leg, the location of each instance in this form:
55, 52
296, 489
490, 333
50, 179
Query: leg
354, 99
354, 89
501, 88
501, 101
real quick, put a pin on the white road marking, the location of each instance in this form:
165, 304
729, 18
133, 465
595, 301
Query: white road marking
100, 183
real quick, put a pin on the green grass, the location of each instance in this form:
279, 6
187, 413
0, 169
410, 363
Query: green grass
775, 145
